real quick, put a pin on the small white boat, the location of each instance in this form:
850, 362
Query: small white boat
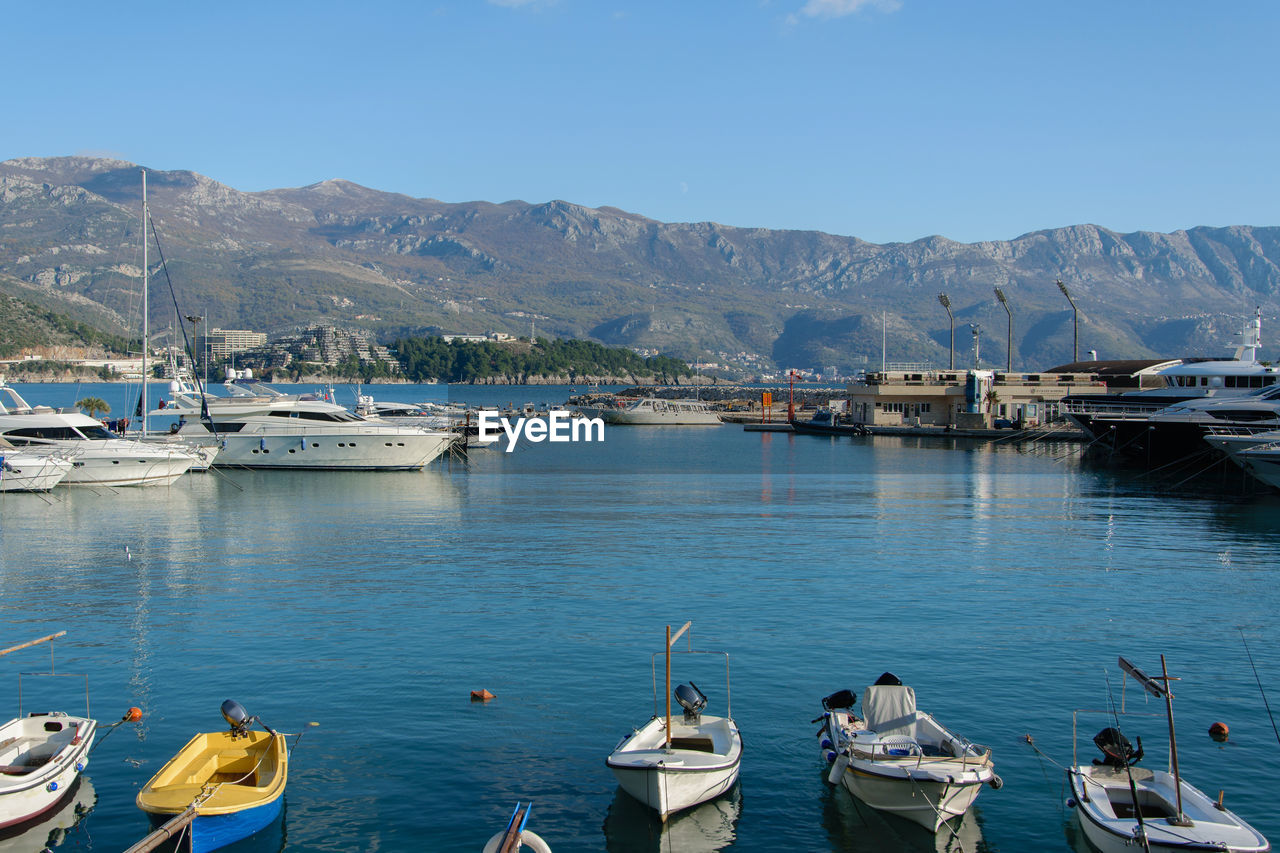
1123, 808
41, 756
22, 471
515, 836
671, 764
899, 759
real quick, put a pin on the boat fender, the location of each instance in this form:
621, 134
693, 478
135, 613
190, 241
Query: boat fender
826, 744
52, 786
995, 782
829, 756
1071, 802
837, 769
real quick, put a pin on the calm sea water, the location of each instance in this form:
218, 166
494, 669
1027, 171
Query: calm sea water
1001, 582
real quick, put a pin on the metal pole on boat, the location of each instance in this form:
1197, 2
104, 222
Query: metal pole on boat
1173, 741
668, 745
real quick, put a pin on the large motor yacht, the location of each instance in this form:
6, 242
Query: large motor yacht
261, 427
1182, 380
98, 456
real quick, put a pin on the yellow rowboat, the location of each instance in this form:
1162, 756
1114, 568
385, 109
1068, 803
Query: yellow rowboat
234, 781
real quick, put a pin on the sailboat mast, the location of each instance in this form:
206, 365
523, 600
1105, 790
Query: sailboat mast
146, 331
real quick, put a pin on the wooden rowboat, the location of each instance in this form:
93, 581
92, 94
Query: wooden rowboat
232, 782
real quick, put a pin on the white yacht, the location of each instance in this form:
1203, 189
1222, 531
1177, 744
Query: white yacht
98, 456
1181, 380
259, 427
30, 472
651, 411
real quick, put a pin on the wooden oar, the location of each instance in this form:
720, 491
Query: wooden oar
515, 826
21, 646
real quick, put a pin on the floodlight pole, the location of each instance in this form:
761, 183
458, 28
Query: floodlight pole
1009, 346
977, 340
946, 303
1075, 323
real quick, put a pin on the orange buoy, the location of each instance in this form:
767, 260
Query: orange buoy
481, 695
1218, 731
133, 715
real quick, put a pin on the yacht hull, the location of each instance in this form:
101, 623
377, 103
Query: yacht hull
404, 450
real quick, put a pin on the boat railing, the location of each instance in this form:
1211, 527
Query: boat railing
1110, 410
972, 755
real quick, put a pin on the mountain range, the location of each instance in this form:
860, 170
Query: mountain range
336, 252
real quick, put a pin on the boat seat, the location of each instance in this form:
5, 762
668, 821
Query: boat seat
890, 709
699, 744
24, 767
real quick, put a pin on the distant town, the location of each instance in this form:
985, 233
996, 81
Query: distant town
327, 350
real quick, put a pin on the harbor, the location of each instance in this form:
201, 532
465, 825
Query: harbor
1000, 579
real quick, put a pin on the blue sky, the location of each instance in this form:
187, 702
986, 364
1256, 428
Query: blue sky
887, 120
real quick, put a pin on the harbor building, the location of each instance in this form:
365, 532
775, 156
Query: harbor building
915, 395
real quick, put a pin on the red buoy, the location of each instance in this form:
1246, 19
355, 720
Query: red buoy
1218, 731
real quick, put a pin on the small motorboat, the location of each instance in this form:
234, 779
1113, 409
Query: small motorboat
899, 759
672, 764
41, 756
228, 784
515, 836
1124, 808
22, 471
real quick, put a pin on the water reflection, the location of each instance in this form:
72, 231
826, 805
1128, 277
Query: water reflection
854, 827
51, 830
632, 827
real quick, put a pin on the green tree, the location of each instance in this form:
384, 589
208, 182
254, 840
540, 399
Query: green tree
93, 405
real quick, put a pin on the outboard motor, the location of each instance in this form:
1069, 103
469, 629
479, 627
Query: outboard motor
843, 699
889, 679
1117, 751
237, 717
692, 700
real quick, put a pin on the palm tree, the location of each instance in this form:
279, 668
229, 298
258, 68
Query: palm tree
93, 405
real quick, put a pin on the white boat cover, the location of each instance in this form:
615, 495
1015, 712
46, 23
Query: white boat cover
890, 709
